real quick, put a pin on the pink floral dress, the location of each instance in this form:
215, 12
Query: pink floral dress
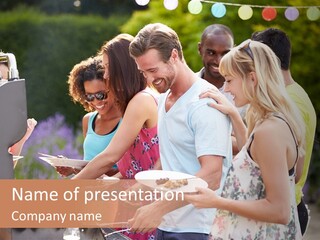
141, 156
238, 185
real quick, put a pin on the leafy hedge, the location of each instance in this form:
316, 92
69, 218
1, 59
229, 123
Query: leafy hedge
46, 49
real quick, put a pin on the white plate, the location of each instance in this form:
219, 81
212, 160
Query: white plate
65, 162
15, 158
107, 178
149, 178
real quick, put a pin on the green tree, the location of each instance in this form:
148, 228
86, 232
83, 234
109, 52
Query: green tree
46, 49
96, 7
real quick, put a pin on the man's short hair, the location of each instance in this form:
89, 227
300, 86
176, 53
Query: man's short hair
278, 41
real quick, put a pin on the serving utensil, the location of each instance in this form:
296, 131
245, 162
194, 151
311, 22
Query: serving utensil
118, 231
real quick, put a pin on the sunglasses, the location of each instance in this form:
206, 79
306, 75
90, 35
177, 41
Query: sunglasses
89, 97
246, 48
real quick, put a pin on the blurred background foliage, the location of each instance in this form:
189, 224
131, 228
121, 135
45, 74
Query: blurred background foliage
51, 136
50, 37
46, 48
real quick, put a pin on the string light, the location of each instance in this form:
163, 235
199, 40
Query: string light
291, 13
245, 11
170, 4
253, 5
218, 10
77, 3
269, 13
195, 6
313, 13
142, 2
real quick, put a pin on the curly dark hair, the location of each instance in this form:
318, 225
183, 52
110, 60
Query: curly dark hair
87, 70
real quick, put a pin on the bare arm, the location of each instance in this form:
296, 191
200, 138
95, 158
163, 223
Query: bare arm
139, 110
211, 170
85, 121
235, 149
149, 216
239, 128
158, 166
17, 147
67, 171
299, 169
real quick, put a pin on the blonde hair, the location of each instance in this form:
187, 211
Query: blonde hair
269, 95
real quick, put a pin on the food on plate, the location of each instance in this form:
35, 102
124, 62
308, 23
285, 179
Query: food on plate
172, 184
162, 181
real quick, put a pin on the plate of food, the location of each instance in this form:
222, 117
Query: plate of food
108, 178
170, 180
64, 162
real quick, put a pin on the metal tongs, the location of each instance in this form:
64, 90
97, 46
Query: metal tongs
118, 231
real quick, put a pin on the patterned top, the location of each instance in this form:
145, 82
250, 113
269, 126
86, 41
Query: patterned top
141, 156
239, 186
143, 153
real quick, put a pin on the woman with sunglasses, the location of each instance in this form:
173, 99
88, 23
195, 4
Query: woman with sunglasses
258, 197
135, 146
88, 87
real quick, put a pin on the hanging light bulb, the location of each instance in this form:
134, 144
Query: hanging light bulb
77, 3
170, 4
195, 6
142, 2
218, 10
313, 13
245, 12
291, 13
269, 13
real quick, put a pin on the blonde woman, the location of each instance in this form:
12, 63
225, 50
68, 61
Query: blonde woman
258, 197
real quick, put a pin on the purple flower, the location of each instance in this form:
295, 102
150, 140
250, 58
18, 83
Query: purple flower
52, 136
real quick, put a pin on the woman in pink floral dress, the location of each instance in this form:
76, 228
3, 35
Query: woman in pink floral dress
258, 197
135, 146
